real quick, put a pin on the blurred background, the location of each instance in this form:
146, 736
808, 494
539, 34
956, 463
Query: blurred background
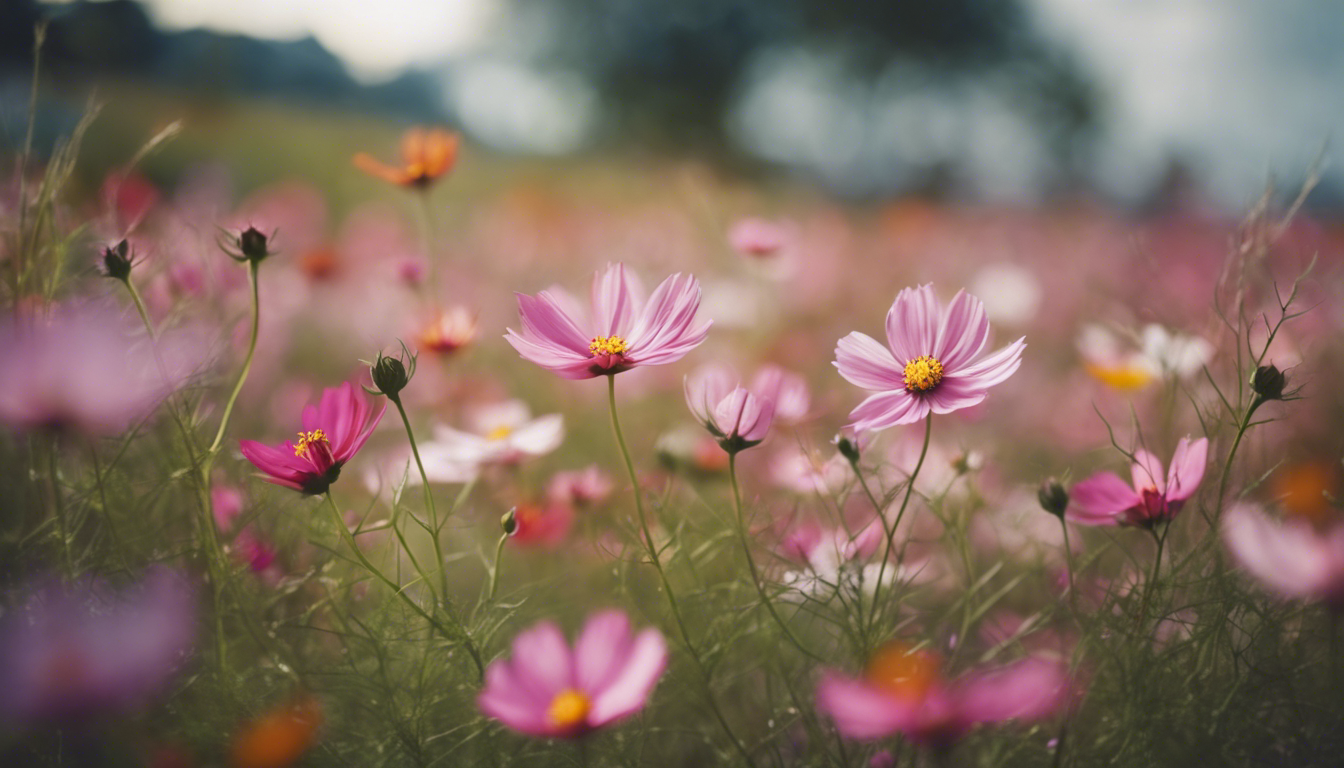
1132, 102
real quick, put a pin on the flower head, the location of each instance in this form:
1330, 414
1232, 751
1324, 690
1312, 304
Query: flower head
736, 417
501, 433
930, 362
1293, 558
333, 431
1104, 499
426, 155
904, 691
69, 653
449, 330
624, 330
547, 689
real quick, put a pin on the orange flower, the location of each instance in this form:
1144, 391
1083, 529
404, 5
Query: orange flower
278, 738
426, 155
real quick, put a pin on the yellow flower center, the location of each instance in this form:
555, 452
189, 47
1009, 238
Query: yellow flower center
568, 709
607, 345
922, 374
499, 433
903, 671
1125, 377
308, 438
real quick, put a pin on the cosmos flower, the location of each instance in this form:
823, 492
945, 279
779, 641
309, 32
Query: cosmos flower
333, 431
581, 487
279, 737
503, 433
1104, 499
1292, 558
85, 370
736, 417
624, 330
71, 652
929, 363
547, 689
449, 330
426, 155
760, 238
904, 691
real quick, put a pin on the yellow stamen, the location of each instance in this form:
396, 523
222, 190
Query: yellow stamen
903, 671
922, 374
607, 345
568, 709
499, 433
308, 438
1125, 377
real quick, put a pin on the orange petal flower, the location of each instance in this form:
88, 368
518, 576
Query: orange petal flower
426, 155
278, 738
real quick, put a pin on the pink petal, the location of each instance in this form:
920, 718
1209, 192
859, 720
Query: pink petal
963, 333
601, 650
705, 388
545, 323
866, 363
1029, 690
861, 711
788, 391
995, 368
742, 414
1187, 468
1100, 499
1291, 559
912, 323
1147, 472
953, 394
542, 661
888, 409
665, 332
639, 671
506, 699
615, 302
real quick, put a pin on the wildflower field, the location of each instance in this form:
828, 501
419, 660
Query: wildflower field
429, 458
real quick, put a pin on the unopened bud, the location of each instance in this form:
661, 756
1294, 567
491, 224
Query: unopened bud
847, 447
509, 522
1268, 382
253, 244
1053, 497
390, 374
117, 261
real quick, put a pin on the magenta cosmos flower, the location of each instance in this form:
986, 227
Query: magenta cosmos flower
904, 691
624, 329
929, 363
333, 431
546, 689
1104, 499
1292, 558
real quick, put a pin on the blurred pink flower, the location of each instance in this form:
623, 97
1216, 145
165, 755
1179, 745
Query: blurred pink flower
583, 486
1292, 558
501, 433
904, 691
929, 362
760, 238
86, 370
71, 652
624, 331
787, 389
333, 431
1104, 499
542, 525
737, 418
547, 689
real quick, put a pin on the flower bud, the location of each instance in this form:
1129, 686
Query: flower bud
390, 375
1053, 497
847, 447
250, 245
117, 261
1268, 382
509, 522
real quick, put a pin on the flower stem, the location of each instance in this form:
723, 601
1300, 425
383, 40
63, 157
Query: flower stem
891, 532
494, 569
461, 631
751, 562
1242, 428
429, 497
1068, 565
662, 575
247, 364
1151, 585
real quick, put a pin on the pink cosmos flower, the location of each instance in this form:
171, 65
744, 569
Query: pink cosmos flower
333, 431
624, 330
760, 238
904, 691
1293, 558
929, 363
737, 418
582, 487
547, 689
1104, 499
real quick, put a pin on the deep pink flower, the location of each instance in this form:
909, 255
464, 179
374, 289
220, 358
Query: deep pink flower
929, 363
904, 691
333, 431
546, 689
1292, 558
624, 330
1104, 499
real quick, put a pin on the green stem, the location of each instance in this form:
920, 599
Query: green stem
891, 532
1256, 402
429, 497
247, 365
494, 570
1068, 564
751, 562
662, 575
401, 593
140, 308
58, 507
1151, 585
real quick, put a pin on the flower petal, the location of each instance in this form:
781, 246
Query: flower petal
1147, 472
1100, 499
888, 409
616, 304
866, 363
995, 368
963, 332
1291, 559
542, 661
635, 678
1187, 468
1028, 690
862, 711
912, 323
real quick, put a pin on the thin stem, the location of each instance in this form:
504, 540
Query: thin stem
58, 507
494, 570
401, 593
1151, 585
1242, 428
1068, 565
429, 497
247, 363
662, 575
891, 532
751, 561
140, 308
